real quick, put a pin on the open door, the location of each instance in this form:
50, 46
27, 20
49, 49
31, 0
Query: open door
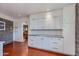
25, 32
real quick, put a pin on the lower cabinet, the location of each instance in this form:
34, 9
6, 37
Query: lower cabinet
47, 43
56, 44
1, 48
34, 41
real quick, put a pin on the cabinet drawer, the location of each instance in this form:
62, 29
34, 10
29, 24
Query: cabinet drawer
36, 45
33, 44
56, 39
56, 44
31, 37
56, 49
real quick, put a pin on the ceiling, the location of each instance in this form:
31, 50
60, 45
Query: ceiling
18, 10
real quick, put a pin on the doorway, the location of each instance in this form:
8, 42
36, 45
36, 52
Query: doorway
25, 32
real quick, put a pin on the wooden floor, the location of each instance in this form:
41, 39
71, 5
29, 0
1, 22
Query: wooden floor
21, 49
16, 49
38, 52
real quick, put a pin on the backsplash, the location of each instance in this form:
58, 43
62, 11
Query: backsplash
46, 32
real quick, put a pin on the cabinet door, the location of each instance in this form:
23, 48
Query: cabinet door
56, 44
33, 24
58, 22
38, 42
31, 41
69, 14
48, 20
1, 49
49, 23
69, 38
35, 41
40, 24
36, 23
45, 41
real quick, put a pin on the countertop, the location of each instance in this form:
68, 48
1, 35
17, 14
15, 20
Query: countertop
1, 42
46, 35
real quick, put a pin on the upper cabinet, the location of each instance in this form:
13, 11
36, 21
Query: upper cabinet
69, 29
69, 15
47, 20
36, 23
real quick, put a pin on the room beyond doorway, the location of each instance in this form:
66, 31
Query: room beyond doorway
25, 32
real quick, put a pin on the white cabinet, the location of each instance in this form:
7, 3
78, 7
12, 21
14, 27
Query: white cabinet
69, 14
46, 43
48, 20
69, 29
56, 44
69, 38
36, 23
58, 22
49, 23
34, 41
1, 48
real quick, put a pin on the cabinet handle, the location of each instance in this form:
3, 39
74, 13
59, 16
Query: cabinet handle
55, 48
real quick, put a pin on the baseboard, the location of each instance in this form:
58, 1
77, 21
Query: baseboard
49, 51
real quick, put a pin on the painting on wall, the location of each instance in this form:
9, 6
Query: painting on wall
2, 25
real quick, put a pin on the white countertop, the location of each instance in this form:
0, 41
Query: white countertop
57, 36
1, 42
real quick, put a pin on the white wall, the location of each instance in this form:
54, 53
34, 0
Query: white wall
6, 17
18, 29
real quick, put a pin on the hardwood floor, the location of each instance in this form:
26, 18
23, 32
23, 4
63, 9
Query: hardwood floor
39, 52
21, 49
16, 49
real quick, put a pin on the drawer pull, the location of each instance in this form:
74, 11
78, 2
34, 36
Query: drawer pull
54, 48
55, 42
